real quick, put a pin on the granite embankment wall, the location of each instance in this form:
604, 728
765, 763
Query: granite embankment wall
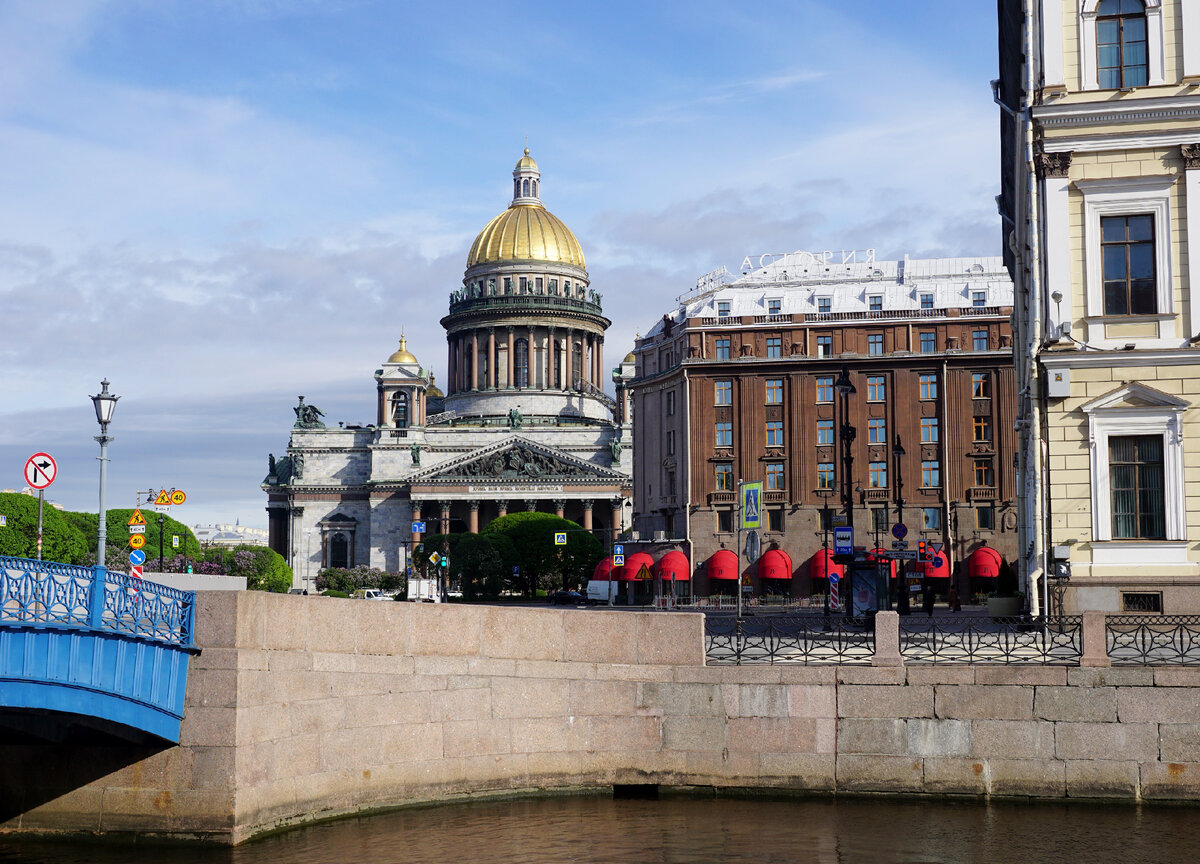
301, 709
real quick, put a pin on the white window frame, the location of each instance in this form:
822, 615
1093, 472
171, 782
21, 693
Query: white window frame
1136, 410
1156, 59
1127, 196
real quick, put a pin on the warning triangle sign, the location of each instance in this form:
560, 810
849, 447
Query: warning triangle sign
643, 573
137, 518
163, 499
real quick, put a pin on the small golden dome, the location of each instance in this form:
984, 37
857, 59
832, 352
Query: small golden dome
629, 358
526, 232
526, 162
403, 355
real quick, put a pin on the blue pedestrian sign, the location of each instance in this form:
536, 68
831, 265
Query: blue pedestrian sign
137, 557
618, 560
843, 541
899, 530
418, 528
560, 538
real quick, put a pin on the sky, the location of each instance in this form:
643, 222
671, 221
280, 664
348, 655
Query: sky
219, 205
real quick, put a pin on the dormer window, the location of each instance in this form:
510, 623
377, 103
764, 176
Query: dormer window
774, 307
722, 308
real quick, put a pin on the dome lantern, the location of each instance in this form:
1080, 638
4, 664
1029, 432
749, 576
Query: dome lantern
527, 181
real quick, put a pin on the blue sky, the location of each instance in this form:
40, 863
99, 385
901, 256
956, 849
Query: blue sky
221, 205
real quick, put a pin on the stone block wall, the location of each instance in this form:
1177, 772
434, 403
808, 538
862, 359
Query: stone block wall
302, 708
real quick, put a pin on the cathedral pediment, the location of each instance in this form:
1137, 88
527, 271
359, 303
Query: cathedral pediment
516, 460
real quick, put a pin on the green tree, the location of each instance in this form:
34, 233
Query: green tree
544, 564
62, 539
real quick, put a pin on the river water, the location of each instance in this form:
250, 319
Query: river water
685, 830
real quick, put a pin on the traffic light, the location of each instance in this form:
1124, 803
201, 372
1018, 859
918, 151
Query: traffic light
445, 561
922, 551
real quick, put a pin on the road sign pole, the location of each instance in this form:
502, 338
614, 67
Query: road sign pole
160, 542
737, 550
41, 501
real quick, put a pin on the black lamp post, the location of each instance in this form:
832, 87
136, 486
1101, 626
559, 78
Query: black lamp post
847, 434
901, 584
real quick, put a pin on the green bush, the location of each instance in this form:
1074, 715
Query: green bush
333, 592
543, 564
62, 540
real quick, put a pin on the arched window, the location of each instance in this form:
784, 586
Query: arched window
516, 188
525, 188
400, 409
339, 551
521, 362
1121, 49
535, 188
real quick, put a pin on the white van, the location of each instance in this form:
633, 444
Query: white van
598, 591
369, 594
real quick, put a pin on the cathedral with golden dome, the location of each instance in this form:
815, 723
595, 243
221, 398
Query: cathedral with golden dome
524, 423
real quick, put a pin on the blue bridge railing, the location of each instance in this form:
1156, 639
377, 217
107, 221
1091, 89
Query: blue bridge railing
46, 593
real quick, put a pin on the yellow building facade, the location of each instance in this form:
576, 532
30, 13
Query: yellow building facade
1100, 131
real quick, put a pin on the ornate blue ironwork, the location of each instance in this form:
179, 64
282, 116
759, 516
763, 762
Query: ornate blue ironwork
980, 639
808, 639
43, 592
1153, 640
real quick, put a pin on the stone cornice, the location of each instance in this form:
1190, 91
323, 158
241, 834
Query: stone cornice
1119, 359
1122, 111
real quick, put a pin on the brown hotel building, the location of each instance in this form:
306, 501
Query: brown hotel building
738, 382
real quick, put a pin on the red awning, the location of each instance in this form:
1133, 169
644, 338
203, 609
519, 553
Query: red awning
633, 564
674, 565
723, 564
774, 564
938, 568
878, 554
602, 569
821, 564
984, 563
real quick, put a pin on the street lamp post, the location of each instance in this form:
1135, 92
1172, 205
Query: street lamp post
826, 518
847, 434
901, 584
104, 403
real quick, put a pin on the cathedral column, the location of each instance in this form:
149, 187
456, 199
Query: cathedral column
474, 359
473, 519
511, 382
587, 514
416, 517
493, 378
600, 362
451, 363
501, 509
560, 507
531, 504
445, 520
530, 362
616, 518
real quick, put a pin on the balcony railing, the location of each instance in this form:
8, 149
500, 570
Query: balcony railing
982, 493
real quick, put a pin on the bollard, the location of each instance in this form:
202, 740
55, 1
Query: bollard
887, 640
1095, 640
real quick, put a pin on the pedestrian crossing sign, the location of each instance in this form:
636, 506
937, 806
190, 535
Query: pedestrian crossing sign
751, 505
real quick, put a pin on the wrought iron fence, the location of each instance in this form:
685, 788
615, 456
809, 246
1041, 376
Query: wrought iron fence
788, 639
1153, 640
45, 592
983, 639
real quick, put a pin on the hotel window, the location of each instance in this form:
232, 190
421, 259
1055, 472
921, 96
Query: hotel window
1127, 254
929, 430
724, 433
725, 520
879, 520
670, 403
774, 475
774, 347
722, 349
824, 475
724, 477
931, 474
926, 301
1121, 51
824, 432
825, 519
985, 518
824, 346
876, 388
876, 430
875, 303
824, 390
878, 475
774, 433
1135, 464
824, 305
670, 442
981, 385
929, 388
931, 518
774, 391
775, 519
722, 308
928, 343
875, 344
984, 475
724, 392
978, 299
979, 340
774, 307
983, 429
670, 483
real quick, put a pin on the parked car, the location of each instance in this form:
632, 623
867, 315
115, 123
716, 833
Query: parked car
567, 598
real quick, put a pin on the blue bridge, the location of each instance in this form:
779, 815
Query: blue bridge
88, 647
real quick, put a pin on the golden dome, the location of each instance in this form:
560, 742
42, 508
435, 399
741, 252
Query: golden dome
526, 232
526, 162
629, 358
403, 355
